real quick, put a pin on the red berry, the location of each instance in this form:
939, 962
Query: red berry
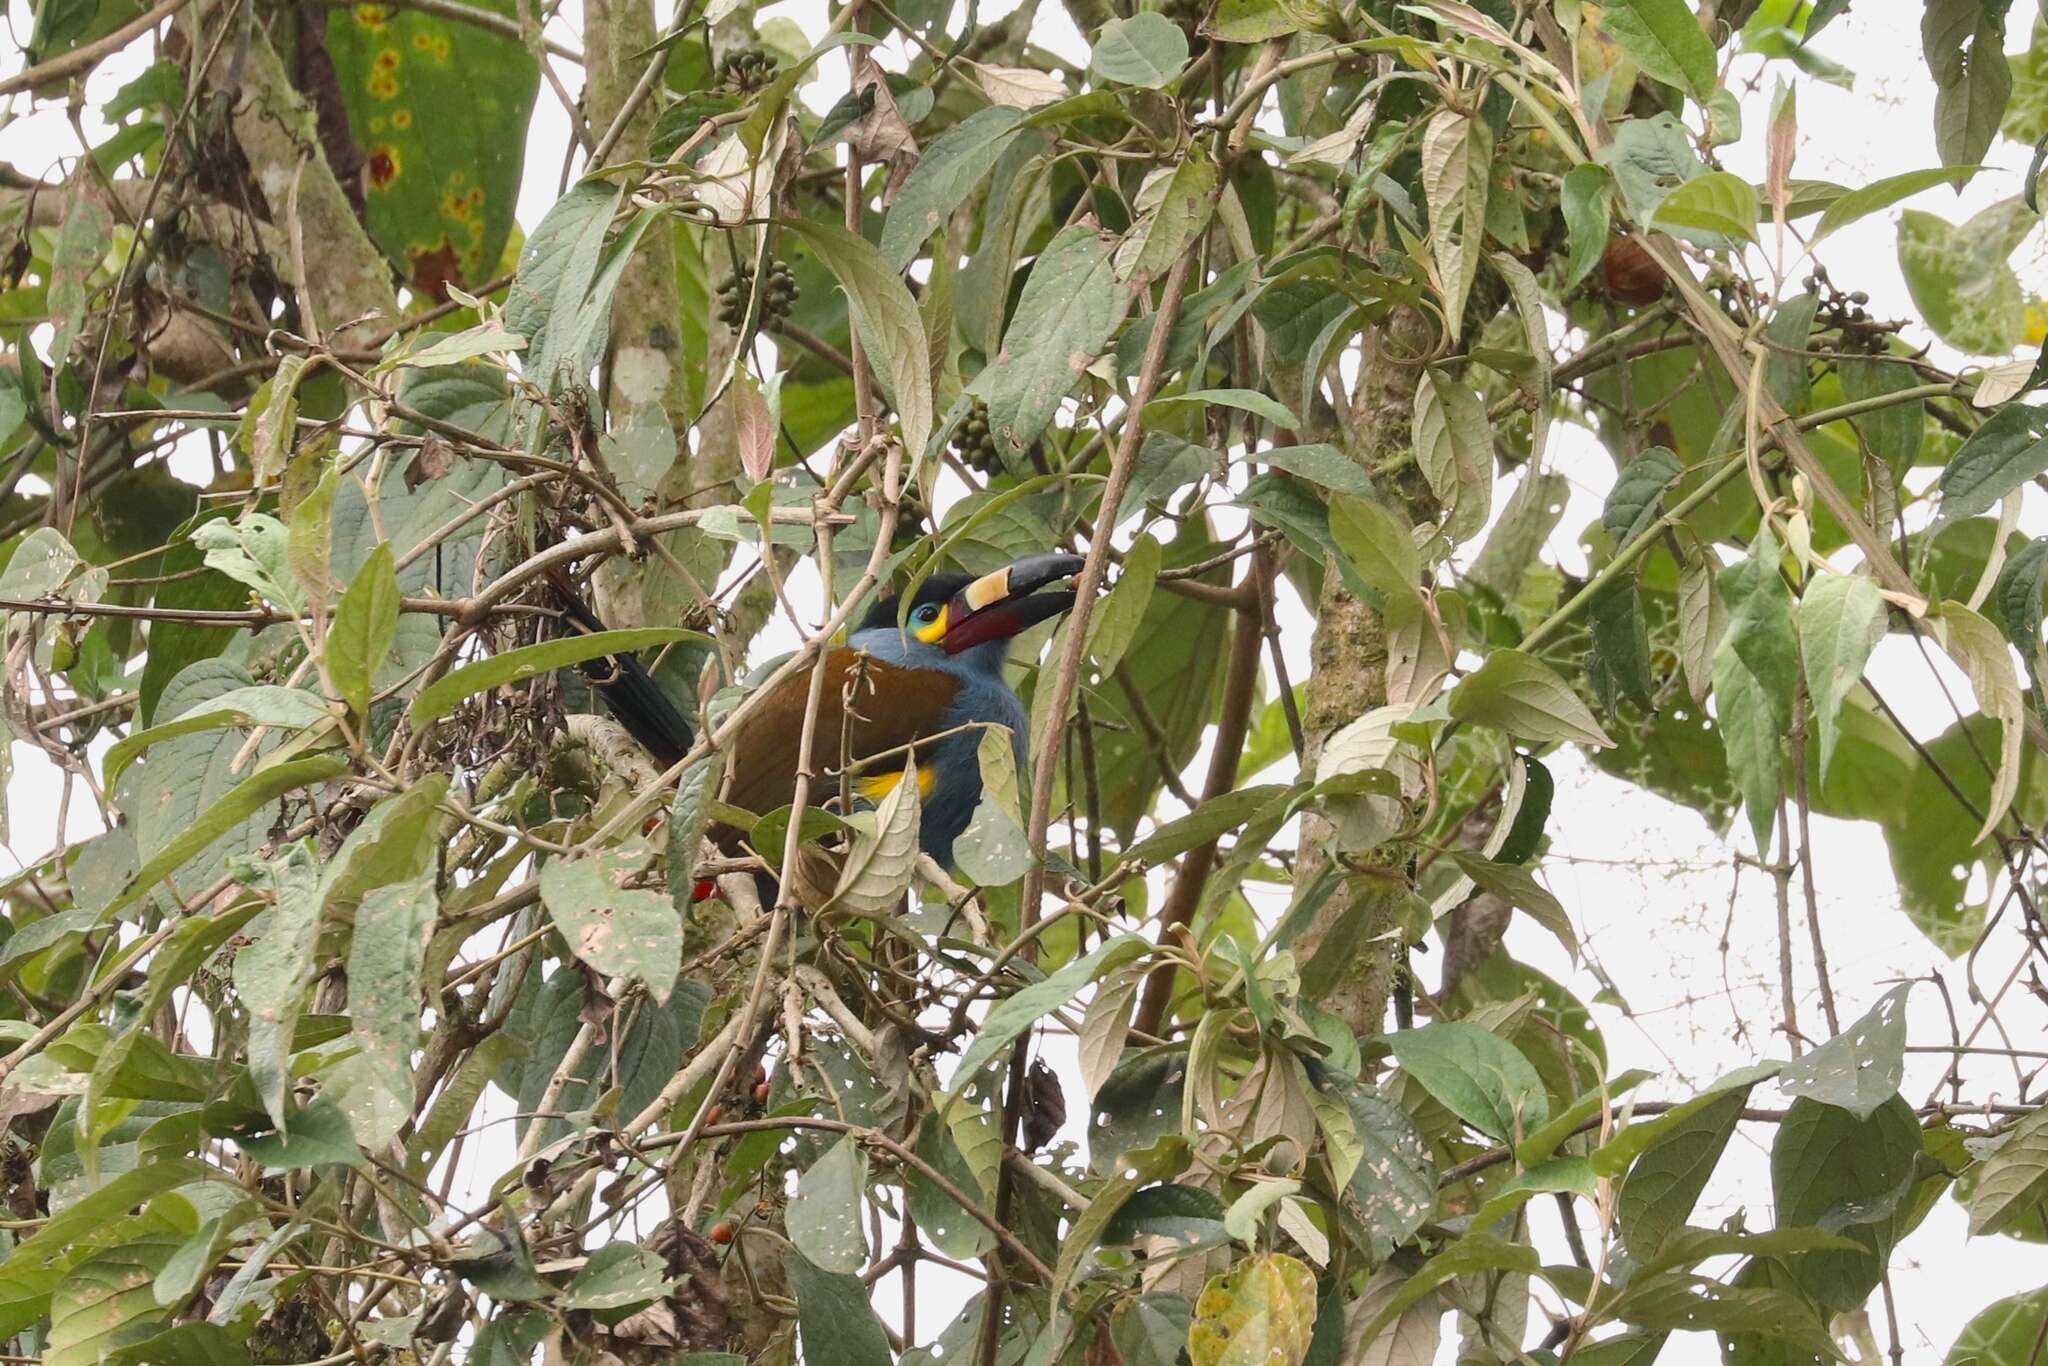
721, 1232
711, 1116
703, 890
761, 1094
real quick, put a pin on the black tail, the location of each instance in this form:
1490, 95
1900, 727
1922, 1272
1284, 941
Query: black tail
628, 690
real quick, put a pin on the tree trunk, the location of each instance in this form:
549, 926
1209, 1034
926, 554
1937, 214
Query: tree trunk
1348, 676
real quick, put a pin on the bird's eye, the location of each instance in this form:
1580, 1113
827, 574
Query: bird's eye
927, 613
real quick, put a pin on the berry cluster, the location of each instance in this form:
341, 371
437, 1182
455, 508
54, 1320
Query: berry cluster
779, 293
975, 444
747, 70
1848, 312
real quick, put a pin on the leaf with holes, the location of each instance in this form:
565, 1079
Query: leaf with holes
824, 1220
618, 930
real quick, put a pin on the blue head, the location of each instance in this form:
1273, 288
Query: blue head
961, 626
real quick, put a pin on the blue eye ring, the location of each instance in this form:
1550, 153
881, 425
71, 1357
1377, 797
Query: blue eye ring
927, 613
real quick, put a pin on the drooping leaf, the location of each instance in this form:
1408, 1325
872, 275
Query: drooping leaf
2014, 1180
365, 625
1964, 42
1840, 617
825, 1217
887, 319
947, 172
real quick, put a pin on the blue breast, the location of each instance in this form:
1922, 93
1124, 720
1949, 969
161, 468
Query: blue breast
981, 695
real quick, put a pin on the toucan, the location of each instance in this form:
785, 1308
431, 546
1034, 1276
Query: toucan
925, 680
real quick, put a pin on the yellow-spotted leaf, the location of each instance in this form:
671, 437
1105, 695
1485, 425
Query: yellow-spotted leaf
439, 109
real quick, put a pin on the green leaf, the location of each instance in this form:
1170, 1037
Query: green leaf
1475, 1252
1619, 664
262, 705
1261, 1310
1865, 200
617, 1276
1204, 824
82, 239
1479, 1076
440, 109
1834, 1171
1586, 202
1718, 202
940, 1219
1174, 205
1841, 617
2014, 1179
824, 1220
2007, 1333
1378, 546
386, 951
1520, 694
1017, 1013
618, 931
1454, 446
254, 551
1756, 671
365, 624
1637, 497
887, 319
1666, 1181
444, 694
1666, 41
1135, 1168
1860, 1068
557, 269
1895, 431
271, 975
2018, 595
1519, 889
1394, 1181
1146, 50
1964, 42
1070, 306
85, 1221
1649, 158
946, 174
1244, 400
1457, 159
1322, 465
108, 1298
2004, 454
1787, 339
242, 801
1959, 278
834, 1319
1116, 619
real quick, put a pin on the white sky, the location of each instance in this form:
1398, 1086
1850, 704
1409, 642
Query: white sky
1646, 882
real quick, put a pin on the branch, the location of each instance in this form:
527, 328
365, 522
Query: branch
81, 58
1179, 908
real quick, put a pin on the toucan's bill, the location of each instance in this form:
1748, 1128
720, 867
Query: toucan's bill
1000, 605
